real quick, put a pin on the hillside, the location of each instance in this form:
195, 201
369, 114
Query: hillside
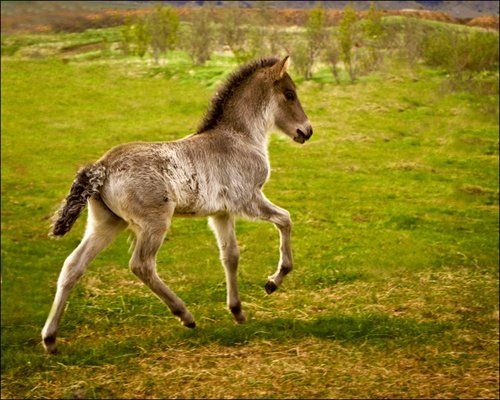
77, 16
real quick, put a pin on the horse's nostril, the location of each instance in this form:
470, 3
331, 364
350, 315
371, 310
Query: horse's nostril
301, 136
309, 132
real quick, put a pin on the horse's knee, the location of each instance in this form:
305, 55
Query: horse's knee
141, 269
135, 267
283, 220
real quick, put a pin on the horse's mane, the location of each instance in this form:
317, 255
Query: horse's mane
226, 90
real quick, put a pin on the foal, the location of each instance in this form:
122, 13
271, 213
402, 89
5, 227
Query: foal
217, 172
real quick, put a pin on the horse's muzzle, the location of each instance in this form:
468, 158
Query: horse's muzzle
302, 136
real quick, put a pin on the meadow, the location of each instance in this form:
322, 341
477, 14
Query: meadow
395, 208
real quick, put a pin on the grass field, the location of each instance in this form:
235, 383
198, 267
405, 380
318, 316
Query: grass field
395, 209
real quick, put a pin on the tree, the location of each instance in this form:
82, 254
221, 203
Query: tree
373, 28
135, 39
141, 37
199, 38
271, 39
373, 32
233, 32
302, 62
127, 37
315, 37
331, 56
162, 25
347, 39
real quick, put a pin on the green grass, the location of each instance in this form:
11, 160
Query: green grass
395, 209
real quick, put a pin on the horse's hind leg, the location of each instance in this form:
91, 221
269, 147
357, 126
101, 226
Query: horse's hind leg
102, 227
223, 226
149, 238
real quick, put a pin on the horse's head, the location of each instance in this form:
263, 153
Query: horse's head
289, 116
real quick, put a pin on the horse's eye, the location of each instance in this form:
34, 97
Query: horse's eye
290, 95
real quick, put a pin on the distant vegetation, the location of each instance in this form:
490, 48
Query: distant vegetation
356, 43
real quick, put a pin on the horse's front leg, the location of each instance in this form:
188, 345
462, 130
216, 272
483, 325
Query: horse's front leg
261, 208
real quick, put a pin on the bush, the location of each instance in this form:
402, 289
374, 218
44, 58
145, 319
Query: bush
275, 42
134, 37
470, 58
161, 26
348, 36
331, 56
373, 39
198, 39
413, 36
302, 62
233, 33
460, 53
315, 38
156, 32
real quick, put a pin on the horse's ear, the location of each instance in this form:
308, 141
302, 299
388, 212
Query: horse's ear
281, 67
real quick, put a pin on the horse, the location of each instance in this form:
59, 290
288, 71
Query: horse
217, 172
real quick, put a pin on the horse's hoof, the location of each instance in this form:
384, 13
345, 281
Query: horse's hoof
270, 287
240, 318
49, 343
191, 325
238, 313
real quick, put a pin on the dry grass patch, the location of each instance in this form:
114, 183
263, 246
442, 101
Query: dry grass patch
355, 137
410, 166
263, 369
475, 189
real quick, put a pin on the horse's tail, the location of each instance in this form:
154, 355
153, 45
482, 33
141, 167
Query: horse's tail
87, 183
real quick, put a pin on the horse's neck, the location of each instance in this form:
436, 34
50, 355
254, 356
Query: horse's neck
252, 125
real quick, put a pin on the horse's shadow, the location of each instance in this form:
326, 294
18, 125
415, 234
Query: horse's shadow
345, 327
376, 328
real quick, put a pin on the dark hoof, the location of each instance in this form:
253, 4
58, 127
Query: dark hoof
240, 318
52, 350
236, 309
238, 314
49, 343
191, 325
270, 287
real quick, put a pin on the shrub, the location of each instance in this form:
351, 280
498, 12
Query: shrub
462, 53
413, 34
126, 38
348, 36
372, 25
233, 32
373, 39
331, 56
198, 39
302, 62
274, 39
156, 31
134, 37
161, 26
470, 58
315, 38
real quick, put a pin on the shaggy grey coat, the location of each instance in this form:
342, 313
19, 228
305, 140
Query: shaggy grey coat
217, 172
